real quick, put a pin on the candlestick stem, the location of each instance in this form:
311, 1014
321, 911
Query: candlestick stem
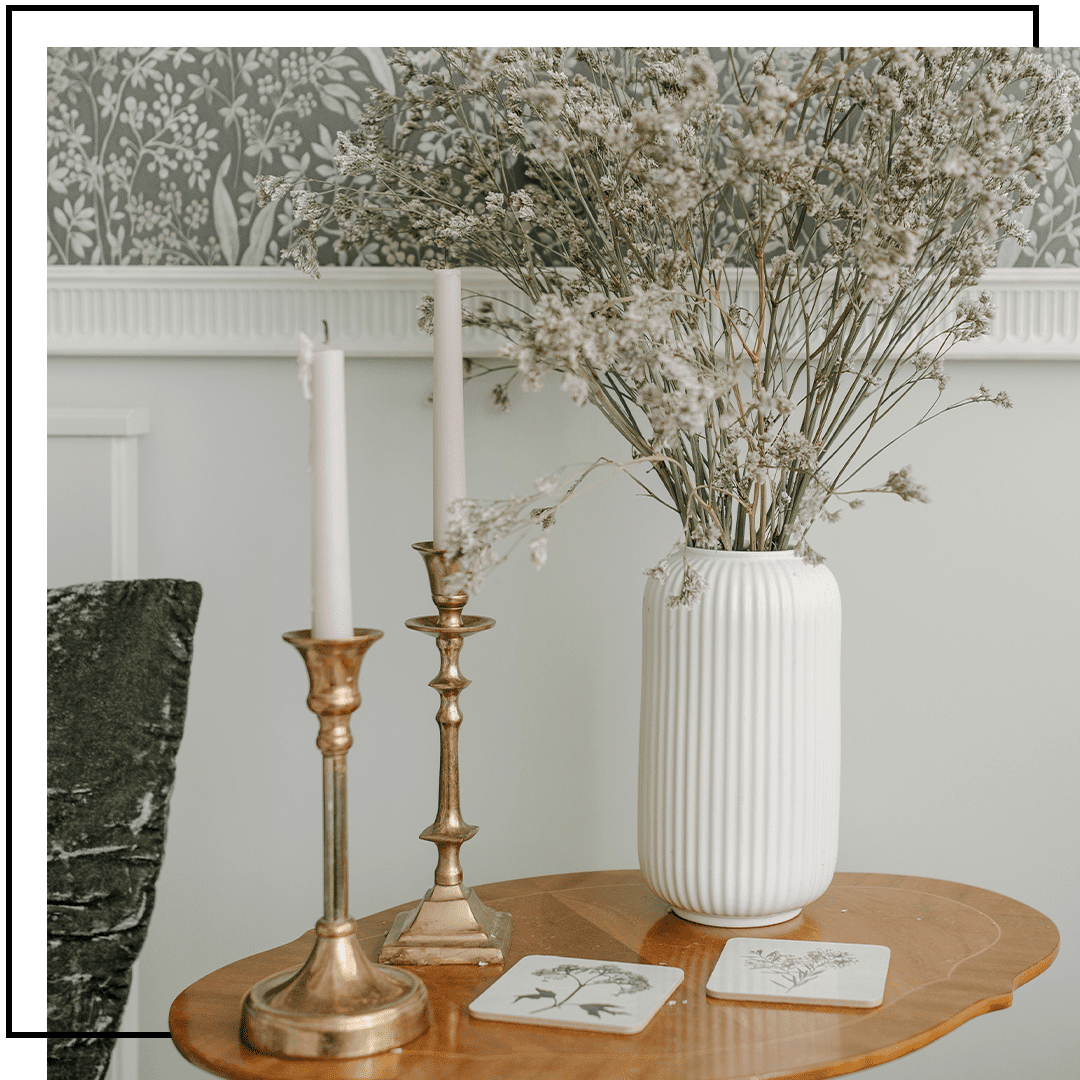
335, 834
452, 925
338, 1004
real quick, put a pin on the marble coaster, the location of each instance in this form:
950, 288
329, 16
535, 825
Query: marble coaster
802, 972
591, 995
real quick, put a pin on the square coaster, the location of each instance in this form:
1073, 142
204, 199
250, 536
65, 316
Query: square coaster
591, 995
802, 972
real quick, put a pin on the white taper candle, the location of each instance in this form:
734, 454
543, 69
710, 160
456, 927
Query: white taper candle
448, 464
331, 578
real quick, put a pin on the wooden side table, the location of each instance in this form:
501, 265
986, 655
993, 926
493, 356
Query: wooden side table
957, 952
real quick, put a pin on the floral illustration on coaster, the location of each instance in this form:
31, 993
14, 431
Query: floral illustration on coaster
592, 995
801, 972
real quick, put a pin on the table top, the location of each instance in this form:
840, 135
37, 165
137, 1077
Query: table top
957, 952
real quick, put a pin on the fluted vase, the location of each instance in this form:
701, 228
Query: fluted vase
739, 769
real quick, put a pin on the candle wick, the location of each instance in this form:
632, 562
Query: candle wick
326, 333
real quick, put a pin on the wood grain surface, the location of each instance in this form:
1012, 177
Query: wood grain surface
957, 952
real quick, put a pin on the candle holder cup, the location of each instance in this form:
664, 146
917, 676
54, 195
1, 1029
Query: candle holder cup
338, 1004
451, 925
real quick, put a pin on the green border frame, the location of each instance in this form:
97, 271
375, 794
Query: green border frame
31, 29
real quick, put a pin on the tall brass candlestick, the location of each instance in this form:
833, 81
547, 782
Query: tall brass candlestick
338, 1004
452, 925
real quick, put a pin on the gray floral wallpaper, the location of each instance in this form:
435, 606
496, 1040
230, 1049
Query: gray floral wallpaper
153, 154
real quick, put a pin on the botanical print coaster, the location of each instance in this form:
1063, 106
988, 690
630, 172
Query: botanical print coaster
804, 972
593, 995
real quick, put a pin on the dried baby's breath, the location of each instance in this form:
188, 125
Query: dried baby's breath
746, 266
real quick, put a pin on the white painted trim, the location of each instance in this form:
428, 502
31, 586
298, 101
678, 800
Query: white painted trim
122, 427
239, 311
236, 311
125, 507
82, 422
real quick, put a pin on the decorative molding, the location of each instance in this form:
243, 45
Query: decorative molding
1038, 316
248, 312
162, 311
122, 427
83, 422
124, 483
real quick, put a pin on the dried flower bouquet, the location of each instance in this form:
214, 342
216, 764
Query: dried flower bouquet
746, 264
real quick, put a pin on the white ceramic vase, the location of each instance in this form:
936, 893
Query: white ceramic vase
739, 770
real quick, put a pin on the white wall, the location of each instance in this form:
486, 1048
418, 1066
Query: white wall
960, 674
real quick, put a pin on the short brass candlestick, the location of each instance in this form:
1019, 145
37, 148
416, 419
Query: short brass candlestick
338, 1004
451, 925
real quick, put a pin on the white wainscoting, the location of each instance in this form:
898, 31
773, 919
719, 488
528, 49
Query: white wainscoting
240, 311
372, 311
122, 427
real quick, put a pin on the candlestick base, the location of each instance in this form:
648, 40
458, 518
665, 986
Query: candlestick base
451, 926
337, 1005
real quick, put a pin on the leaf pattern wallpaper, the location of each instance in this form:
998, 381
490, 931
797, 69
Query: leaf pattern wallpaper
153, 153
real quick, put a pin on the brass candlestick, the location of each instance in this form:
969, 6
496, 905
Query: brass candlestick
338, 1004
452, 925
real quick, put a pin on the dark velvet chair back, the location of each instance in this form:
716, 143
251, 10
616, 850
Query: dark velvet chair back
119, 661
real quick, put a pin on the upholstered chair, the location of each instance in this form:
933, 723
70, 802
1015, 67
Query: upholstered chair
119, 657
